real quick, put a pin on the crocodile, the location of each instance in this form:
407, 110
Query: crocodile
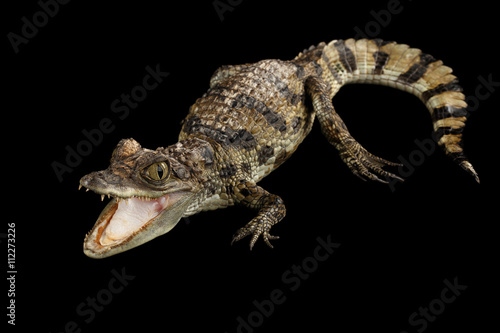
251, 120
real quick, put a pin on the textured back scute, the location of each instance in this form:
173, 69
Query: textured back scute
408, 69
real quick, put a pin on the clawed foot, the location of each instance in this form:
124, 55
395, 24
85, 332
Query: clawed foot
366, 165
256, 227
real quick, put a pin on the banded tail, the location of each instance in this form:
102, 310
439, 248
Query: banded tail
409, 69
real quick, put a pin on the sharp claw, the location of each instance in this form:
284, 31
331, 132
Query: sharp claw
256, 232
388, 163
357, 174
237, 236
380, 180
391, 175
387, 176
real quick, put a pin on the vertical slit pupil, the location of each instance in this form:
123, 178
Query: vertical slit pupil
159, 169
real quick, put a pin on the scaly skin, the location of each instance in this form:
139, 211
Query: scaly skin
250, 121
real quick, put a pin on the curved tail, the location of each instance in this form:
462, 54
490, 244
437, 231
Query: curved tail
409, 69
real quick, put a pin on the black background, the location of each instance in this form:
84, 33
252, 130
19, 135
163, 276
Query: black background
397, 246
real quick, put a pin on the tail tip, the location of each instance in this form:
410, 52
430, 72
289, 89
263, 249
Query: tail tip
470, 169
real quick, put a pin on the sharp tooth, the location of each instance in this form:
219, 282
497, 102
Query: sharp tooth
79, 187
108, 195
102, 197
86, 189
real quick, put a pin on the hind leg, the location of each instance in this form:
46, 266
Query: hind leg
361, 163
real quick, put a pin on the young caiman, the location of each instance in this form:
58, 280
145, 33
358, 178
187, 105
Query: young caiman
250, 121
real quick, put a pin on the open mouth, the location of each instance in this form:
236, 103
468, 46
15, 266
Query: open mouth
129, 216
127, 223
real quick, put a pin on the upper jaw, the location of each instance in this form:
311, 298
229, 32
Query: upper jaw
102, 182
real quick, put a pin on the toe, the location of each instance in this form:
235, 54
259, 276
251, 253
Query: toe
268, 237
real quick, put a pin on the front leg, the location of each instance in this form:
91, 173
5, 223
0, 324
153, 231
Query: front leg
271, 211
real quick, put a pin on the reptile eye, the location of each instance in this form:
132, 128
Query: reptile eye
157, 171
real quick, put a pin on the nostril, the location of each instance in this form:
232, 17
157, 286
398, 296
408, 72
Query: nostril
85, 180
93, 179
